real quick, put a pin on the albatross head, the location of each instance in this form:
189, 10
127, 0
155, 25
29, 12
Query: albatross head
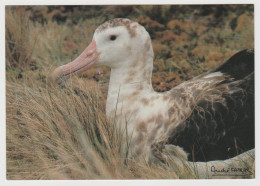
118, 43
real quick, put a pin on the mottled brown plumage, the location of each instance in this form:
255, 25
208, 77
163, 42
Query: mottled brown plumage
211, 116
118, 22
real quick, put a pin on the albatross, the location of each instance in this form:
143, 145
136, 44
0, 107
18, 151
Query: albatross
211, 116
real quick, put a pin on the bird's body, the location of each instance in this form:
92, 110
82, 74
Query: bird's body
197, 115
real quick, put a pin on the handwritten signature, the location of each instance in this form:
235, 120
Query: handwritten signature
232, 170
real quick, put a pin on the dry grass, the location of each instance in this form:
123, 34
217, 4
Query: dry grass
62, 132
17, 25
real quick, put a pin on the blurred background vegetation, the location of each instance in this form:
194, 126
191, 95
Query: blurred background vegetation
187, 40
41, 142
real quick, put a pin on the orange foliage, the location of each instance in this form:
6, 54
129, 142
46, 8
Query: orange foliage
243, 22
149, 22
168, 36
159, 48
182, 43
177, 23
199, 52
215, 57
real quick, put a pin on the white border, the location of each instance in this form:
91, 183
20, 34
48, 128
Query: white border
125, 2
3, 180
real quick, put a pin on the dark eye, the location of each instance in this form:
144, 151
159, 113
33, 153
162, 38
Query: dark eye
113, 37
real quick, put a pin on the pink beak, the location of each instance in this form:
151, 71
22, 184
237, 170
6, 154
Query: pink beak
87, 59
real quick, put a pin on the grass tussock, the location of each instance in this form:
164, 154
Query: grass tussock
62, 132
56, 129
21, 37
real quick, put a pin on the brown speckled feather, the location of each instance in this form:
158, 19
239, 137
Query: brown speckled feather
221, 124
211, 116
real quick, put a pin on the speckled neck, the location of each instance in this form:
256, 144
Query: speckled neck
126, 83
